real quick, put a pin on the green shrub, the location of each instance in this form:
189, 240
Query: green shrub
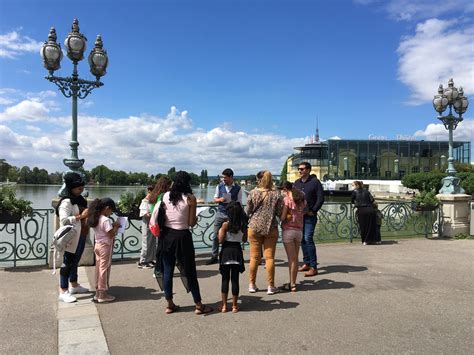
425, 199
15, 206
468, 183
463, 236
129, 202
424, 181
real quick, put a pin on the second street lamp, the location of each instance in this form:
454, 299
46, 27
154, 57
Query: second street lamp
454, 99
73, 86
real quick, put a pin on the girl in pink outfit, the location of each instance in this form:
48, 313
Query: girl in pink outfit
292, 225
105, 232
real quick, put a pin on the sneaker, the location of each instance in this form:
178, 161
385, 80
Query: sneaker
212, 260
253, 288
142, 265
148, 266
66, 297
78, 289
106, 299
152, 263
272, 290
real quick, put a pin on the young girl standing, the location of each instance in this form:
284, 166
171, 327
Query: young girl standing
105, 231
292, 225
231, 234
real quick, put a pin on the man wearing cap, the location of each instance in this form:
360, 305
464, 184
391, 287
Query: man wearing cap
314, 195
226, 192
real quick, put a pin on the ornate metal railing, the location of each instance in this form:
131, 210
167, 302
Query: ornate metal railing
26, 242
336, 221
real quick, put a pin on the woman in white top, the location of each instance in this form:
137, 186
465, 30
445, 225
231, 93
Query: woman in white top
71, 210
175, 244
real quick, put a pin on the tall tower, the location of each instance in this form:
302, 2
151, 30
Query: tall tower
316, 137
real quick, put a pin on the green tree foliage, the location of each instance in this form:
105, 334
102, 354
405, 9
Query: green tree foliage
100, 174
424, 181
172, 172
284, 171
204, 178
467, 182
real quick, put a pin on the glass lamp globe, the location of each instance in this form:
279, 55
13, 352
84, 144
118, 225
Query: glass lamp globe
98, 59
51, 52
75, 43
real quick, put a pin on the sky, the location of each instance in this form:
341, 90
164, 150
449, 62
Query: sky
211, 84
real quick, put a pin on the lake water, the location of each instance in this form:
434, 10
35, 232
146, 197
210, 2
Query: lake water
42, 195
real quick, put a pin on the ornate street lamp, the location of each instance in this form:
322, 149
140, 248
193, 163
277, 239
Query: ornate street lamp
74, 87
453, 98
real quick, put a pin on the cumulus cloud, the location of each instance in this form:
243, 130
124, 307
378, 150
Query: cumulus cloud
437, 51
142, 143
13, 44
437, 131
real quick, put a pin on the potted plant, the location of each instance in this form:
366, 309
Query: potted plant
129, 203
13, 209
425, 201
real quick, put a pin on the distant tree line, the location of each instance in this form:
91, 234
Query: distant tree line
99, 175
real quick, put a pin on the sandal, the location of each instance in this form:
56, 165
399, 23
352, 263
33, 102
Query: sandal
293, 288
286, 287
235, 309
172, 309
203, 309
222, 308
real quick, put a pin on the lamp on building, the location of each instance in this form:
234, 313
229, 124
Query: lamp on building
451, 98
74, 87
396, 166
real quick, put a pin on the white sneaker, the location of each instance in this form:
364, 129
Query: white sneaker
272, 290
66, 297
78, 289
253, 288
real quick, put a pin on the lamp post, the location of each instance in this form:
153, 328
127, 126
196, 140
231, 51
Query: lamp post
453, 98
73, 86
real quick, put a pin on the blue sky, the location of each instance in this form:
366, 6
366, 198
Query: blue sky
211, 84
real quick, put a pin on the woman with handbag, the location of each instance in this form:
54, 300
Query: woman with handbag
176, 246
72, 210
264, 205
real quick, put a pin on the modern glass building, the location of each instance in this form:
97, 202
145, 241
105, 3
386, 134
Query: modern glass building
375, 159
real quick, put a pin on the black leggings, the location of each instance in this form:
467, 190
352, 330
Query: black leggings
230, 273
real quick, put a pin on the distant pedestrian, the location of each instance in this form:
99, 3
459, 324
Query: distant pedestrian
365, 213
292, 225
175, 246
264, 206
72, 210
105, 231
314, 196
231, 235
226, 192
378, 223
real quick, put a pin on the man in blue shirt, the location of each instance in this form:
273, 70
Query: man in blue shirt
226, 192
314, 195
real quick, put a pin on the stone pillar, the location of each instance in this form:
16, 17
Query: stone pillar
455, 214
87, 258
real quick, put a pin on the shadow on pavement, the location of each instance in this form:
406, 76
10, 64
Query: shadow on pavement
28, 269
344, 269
257, 303
324, 284
138, 293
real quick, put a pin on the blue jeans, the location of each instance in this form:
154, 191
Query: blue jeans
68, 271
220, 218
169, 262
307, 243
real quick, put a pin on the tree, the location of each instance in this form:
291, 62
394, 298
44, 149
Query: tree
204, 178
24, 175
100, 174
284, 171
172, 172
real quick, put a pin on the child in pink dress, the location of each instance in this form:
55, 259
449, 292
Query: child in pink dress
105, 232
292, 225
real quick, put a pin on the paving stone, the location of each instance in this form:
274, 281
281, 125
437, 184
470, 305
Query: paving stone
77, 336
89, 348
78, 323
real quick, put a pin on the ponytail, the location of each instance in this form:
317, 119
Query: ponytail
94, 213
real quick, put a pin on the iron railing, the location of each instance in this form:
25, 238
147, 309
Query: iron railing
27, 242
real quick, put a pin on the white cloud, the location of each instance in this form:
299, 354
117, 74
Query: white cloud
437, 131
409, 10
436, 52
139, 143
13, 44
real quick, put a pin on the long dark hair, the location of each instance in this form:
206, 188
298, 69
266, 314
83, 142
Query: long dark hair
95, 209
162, 185
238, 220
298, 196
181, 185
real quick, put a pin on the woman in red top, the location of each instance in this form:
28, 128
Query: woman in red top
292, 225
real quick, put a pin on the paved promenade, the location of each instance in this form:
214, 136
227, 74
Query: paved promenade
405, 296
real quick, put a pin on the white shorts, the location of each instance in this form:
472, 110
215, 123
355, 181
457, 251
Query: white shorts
292, 235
